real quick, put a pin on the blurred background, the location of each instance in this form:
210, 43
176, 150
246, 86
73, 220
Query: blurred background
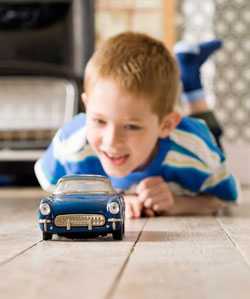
45, 46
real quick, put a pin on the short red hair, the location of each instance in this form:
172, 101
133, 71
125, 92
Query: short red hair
141, 65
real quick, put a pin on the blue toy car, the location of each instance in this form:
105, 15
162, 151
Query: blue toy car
82, 206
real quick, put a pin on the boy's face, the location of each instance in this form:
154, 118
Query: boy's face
121, 129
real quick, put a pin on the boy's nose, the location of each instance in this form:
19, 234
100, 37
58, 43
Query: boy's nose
113, 137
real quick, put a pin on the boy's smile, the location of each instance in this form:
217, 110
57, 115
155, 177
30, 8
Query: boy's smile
116, 160
121, 128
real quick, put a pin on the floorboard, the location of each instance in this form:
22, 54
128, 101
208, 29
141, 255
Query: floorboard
60, 267
184, 258
164, 257
237, 226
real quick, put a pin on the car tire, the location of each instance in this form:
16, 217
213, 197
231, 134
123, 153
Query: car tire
118, 234
47, 236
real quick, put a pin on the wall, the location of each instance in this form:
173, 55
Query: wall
227, 75
114, 16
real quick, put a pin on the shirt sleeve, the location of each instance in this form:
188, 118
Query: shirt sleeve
50, 167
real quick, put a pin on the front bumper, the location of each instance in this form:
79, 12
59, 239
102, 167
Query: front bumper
111, 225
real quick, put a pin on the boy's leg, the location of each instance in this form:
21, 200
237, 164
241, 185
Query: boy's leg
190, 58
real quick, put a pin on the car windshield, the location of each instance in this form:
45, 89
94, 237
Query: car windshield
84, 186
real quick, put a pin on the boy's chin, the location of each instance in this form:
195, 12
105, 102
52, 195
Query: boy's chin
119, 173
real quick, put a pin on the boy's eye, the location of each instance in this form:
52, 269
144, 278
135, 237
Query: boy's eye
132, 127
99, 121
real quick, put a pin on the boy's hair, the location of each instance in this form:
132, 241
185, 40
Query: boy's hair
141, 65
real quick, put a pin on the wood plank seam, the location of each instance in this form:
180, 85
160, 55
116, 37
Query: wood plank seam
18, 254
234, 243
110, 294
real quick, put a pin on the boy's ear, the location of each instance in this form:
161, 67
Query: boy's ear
169, 123
84, 99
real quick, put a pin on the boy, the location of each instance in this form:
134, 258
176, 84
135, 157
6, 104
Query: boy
130, 132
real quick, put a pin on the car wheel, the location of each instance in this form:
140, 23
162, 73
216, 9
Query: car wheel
118, 235
123, 228
47, 236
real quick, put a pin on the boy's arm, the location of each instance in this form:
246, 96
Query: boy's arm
197, 205
48, 168
183, 205
154, 194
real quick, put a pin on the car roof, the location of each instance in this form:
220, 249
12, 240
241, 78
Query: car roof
84, 177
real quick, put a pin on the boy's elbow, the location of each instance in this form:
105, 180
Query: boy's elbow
231, 197
233, 192
227, 190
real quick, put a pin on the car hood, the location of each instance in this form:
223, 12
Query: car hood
77, 204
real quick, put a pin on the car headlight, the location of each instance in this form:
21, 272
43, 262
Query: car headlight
113, 207
45, 209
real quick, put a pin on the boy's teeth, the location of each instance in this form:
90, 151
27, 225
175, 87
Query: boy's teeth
117, 159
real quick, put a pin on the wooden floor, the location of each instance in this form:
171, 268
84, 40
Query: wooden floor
168, 257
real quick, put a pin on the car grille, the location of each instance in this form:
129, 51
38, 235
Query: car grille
71, 220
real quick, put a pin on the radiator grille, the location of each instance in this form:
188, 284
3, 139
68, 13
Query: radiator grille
79, 220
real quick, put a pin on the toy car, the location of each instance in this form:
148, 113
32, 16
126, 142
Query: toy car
82, 206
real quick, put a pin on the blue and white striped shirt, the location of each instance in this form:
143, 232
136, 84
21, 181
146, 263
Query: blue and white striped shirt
188, 160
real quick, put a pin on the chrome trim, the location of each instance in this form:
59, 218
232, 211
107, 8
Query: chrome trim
90, 225
114, 220
45, 222
77, 220
68, 226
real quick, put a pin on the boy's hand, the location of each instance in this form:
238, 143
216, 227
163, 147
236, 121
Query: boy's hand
154, 195
133, 207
